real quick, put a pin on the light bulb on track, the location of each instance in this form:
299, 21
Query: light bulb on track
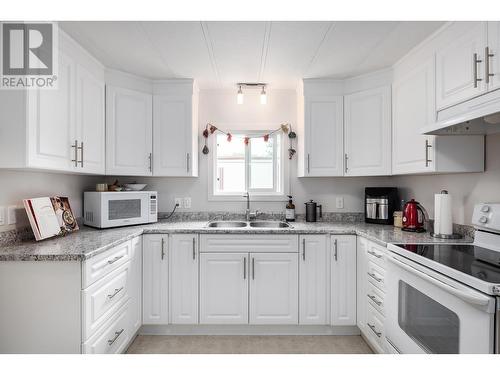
239, 97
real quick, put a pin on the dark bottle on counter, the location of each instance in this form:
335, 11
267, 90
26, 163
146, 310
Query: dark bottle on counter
290, 210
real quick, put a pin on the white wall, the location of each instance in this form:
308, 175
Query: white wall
18, 185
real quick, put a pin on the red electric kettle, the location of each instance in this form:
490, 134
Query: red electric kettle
414, 217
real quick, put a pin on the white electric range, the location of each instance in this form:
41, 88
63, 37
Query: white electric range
445, 298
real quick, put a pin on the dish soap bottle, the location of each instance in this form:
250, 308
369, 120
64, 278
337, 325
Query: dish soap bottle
290, 210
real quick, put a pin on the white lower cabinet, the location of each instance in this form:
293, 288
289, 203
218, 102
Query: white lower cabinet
274, 293
183, 276
314, 271
155, 279
361, 267
343, 270
223, 288
136, 285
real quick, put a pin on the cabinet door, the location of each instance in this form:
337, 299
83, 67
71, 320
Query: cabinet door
90, 122
183, 275
314, 286
367, 130
456, 80
155, 279
135, 309
52, 121
361, 268
413, 108
494, 50
343, 280
274, 288
323, 133
129, 129
224, 288
173, 136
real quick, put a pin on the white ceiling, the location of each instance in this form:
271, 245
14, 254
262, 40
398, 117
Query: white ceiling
219, 54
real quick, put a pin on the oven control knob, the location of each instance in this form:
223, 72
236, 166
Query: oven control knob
485, 208
483, 219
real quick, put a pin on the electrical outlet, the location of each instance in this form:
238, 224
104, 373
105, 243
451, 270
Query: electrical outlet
11, 215
187, 202
339, 202
2, 215
178, 202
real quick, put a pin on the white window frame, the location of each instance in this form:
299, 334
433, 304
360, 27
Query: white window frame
264, 195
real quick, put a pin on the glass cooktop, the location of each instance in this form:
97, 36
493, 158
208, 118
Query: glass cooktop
472, 260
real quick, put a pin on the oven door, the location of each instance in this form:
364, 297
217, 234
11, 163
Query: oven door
125, 208
427, 312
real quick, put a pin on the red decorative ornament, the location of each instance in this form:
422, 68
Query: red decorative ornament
229, 137
212, 129
266, 137
246, 140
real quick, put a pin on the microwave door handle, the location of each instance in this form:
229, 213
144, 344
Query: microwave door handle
473, 299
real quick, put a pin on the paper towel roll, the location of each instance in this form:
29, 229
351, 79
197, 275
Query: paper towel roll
443, 223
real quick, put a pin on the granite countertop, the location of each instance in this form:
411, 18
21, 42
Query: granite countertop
88, 242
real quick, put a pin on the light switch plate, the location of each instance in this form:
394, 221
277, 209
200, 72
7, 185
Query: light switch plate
187, 202
178, 202
2, 215
339, 202
11, 215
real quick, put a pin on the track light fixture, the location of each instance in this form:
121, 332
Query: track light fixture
262, 86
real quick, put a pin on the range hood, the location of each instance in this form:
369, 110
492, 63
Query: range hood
477, 116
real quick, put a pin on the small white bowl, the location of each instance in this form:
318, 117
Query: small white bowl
135, 187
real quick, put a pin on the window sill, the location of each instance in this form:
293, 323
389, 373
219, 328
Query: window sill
253, 197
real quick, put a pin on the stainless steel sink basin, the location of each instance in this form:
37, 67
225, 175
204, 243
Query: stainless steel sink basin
269, 224
227, 224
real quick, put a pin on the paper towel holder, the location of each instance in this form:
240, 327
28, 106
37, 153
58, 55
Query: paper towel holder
453, 236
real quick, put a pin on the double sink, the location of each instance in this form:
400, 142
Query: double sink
251, 224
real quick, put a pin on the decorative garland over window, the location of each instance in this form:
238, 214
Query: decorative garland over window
285, 128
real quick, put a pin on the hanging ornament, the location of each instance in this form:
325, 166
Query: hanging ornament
266, 137
205, 150
284, 128
292, 135
229, 137
205, 133
212, 129
246, 140
291, 152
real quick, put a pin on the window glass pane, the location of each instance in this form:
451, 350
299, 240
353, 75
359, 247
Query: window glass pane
433, 326
230, 166
261, 163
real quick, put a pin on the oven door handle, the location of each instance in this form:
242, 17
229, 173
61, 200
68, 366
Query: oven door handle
464, 296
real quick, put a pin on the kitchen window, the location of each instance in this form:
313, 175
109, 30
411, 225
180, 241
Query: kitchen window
256, 168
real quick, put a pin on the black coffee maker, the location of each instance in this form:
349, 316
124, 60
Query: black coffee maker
380, 204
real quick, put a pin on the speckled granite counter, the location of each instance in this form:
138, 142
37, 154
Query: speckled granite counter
89, 242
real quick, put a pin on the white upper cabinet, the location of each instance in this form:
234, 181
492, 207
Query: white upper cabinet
492, 69
367, 119
322, 137
175, 129
343, 258
59, 129
129, 132
460, 63
183, 277
314, 288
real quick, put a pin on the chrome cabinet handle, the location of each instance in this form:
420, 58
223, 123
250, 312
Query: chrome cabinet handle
303, 249
244, 268
162, 248
374, 299
188, 157
253, 268
194, 248
372, 327
377, 279
335, 254
150, 157
374, 254
111, 296
75, 146
427, 146
487, 55
476, 61
308, 164
81, 154
115, 259
346, 158
117, 334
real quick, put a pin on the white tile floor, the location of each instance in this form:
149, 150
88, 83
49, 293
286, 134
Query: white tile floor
249, 345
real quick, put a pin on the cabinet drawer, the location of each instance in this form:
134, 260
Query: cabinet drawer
376, 254
375, 327
376, 275
103, 298
102, 264
376, 298
113, 337
256, 243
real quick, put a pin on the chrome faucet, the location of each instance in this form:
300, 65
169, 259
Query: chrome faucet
248, 214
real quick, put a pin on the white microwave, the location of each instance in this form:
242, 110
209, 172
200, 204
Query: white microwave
115, 209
